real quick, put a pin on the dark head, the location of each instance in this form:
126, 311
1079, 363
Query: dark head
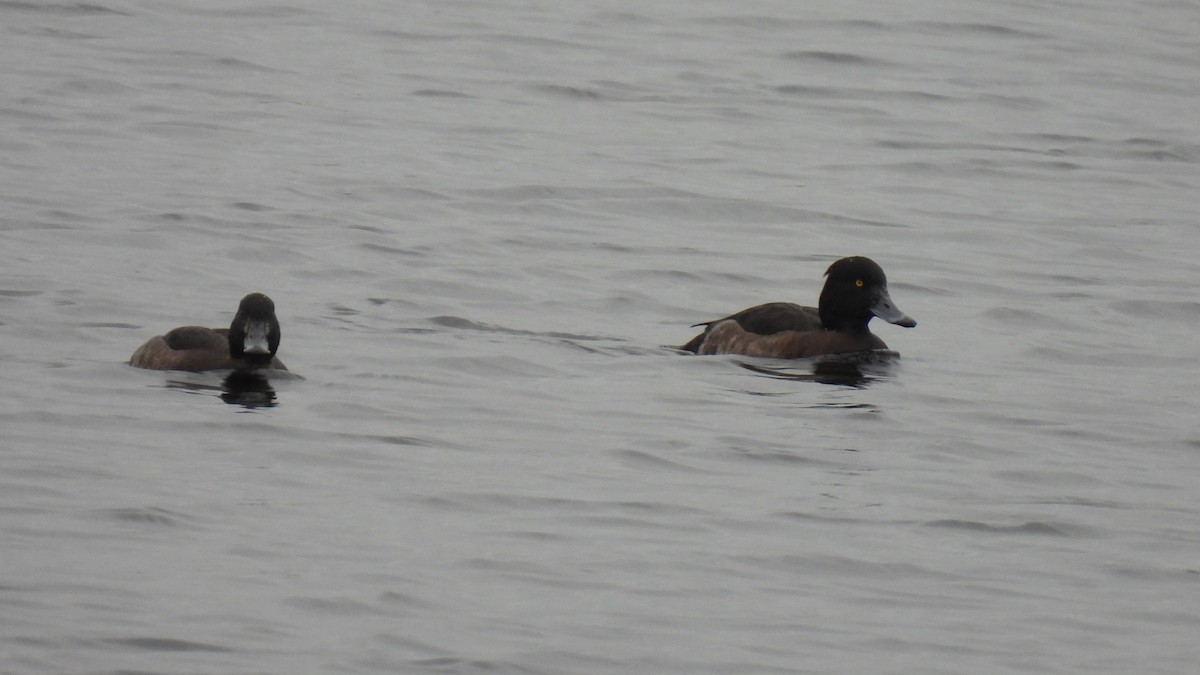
254, 333
856, 290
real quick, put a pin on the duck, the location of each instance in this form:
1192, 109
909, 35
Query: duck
249, 344
855, 292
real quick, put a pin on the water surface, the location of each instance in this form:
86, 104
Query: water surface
484, 224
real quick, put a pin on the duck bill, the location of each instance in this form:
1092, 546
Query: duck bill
887, 310
255, 342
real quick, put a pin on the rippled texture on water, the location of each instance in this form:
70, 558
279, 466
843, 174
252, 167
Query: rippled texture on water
482, 223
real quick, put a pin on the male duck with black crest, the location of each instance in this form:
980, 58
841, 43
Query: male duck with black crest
249, 344
855, 291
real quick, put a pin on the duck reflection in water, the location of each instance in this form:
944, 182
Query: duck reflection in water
249, 389
856, 369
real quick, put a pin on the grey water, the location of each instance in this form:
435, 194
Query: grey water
485, 223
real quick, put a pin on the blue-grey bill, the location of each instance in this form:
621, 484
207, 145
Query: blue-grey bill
256, 338
887, 310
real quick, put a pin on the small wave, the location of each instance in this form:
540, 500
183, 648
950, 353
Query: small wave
440, 93
155, 644
840, 58
968, 28
1032, 527
72, 8
461, 323
143, 516
569, 92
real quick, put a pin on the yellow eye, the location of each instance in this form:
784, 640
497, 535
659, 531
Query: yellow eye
858, 283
